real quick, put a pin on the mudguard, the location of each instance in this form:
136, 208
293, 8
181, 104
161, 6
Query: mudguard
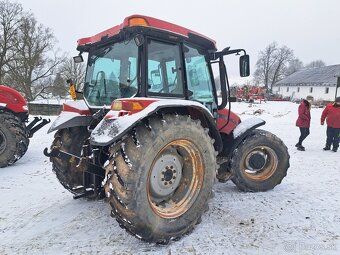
112, 128
241, 131
75, 113
246, 126
12, 100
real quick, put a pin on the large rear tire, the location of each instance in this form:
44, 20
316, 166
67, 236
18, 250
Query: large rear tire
13, 139
161, 177
260, 162
69, 140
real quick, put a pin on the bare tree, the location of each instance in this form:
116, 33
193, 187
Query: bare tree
33, 65
293, 66
75, 71
264, 64
59, 87
316, 63
10, 18
272, 63
282, 57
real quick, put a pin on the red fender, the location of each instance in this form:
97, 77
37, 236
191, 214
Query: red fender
12, 100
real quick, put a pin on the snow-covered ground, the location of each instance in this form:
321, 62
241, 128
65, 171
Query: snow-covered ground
300, 216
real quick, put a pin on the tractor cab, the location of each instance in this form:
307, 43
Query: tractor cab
147, 57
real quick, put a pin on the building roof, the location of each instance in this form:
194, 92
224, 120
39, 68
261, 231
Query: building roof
319, 76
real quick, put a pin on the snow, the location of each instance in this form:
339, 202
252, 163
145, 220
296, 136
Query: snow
300, 216
59, 101
245, 125
79, 104
62, 118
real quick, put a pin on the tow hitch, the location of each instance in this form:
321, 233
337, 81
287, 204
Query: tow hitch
32, 128
93, 174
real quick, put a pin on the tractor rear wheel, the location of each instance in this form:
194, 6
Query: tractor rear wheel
260, 162
13, 139
69, 140
160, 178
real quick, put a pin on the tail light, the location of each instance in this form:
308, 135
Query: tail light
130, 106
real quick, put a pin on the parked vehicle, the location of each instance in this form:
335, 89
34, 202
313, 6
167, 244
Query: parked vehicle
150, 133
14, 133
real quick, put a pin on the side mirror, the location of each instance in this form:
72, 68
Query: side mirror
78, 59
244, 66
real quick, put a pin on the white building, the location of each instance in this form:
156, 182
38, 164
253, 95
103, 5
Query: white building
320, 83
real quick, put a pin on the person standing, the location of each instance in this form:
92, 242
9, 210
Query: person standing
332, 115
303, 122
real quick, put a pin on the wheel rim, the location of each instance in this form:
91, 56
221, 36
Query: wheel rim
175, 179
260, 163
3, 142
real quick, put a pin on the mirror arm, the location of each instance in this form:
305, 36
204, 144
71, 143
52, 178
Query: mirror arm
223, 83
224, 52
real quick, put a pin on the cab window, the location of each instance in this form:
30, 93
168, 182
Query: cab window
111, 73
164, 69
198, 76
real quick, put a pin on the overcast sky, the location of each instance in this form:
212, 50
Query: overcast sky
310, 27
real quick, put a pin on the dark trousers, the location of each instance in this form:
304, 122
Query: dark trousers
332, 137
304, 133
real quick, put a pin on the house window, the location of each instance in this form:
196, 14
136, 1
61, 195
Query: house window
326, 90
311, 90
287, 89
298, 89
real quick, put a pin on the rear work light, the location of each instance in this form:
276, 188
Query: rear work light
126, 106
138, 22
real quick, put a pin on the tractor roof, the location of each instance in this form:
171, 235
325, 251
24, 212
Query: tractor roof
149, 22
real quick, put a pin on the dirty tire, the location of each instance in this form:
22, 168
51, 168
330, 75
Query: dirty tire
260, 162
157, 152
13, 139
69, 140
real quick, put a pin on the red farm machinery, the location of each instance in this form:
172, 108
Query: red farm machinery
150, 135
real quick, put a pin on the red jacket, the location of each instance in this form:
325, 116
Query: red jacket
303, 119
332, 116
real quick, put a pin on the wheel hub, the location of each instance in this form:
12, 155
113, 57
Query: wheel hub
256, 161
165, 176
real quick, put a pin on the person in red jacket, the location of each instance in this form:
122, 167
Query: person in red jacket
332, 115
303, 122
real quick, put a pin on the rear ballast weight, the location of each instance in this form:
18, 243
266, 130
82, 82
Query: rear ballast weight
149, 131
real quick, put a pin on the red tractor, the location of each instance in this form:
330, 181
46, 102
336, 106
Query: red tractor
150, 134
14, 134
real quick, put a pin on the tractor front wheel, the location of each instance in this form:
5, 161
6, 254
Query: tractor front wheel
260, 162
161, 177
69, 140
13, 139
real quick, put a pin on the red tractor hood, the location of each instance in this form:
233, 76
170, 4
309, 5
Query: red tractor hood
12, 100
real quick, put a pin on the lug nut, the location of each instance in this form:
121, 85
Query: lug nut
171, 167
163, 172
174, 171
162, 179
170, 182
165, 183
174, 177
